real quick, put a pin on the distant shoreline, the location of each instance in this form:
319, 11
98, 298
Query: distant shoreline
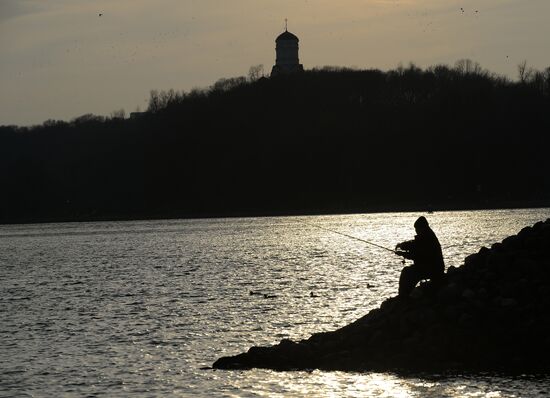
541, 204
331, 141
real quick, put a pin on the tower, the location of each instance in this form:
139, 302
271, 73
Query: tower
286, 49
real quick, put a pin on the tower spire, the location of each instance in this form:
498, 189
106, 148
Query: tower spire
286, 49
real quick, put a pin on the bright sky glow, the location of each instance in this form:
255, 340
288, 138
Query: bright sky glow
61, 59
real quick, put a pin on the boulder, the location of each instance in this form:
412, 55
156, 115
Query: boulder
490, 314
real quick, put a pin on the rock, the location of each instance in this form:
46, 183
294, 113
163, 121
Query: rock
417, 293
449, 292
482, 293
472, 260
465, 319
512, 242
508, 302
490, 314
451, 270
483, 251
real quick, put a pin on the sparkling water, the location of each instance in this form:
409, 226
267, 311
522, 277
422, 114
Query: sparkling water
138, 308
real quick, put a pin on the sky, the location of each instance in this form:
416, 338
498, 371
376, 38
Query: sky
61, 59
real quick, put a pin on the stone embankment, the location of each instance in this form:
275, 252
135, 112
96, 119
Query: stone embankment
490, 314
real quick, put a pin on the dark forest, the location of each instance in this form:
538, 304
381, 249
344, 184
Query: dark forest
324, 141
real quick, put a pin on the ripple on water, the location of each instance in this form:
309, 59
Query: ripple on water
137, 308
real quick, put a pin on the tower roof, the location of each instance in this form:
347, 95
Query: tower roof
286, 35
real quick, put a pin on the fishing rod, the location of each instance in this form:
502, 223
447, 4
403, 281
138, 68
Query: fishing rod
353, 237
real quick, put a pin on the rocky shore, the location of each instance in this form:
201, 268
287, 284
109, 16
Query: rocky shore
490, 314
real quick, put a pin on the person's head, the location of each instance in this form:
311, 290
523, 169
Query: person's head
421, 225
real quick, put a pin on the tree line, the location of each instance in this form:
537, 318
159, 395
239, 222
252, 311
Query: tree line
327, 140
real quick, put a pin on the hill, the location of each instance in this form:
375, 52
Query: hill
328, 140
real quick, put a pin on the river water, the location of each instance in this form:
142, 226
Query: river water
138, 308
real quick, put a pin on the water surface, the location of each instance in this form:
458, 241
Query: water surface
137, 308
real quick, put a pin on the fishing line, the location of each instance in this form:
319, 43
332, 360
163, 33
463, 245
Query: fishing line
353, 237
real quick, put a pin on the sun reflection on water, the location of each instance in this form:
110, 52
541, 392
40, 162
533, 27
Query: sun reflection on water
164, 299
376, 384
385, 385
339, 384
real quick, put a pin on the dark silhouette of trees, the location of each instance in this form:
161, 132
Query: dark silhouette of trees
118, 114
161, 99
327, 140
255, 72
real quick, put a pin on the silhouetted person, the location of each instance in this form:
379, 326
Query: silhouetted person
425, 251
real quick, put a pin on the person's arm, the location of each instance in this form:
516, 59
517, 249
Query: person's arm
406, 249
406, 246
407, 255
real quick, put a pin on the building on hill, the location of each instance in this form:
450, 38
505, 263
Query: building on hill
287, 60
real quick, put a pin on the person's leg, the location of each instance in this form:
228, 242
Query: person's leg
408, 280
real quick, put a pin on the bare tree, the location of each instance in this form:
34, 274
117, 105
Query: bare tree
546, 75
87, 118
227, 84
167, 97
537, 81
53, 123
524, 73
118, 114
255, 72
154, 101
161, 99
468, 67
